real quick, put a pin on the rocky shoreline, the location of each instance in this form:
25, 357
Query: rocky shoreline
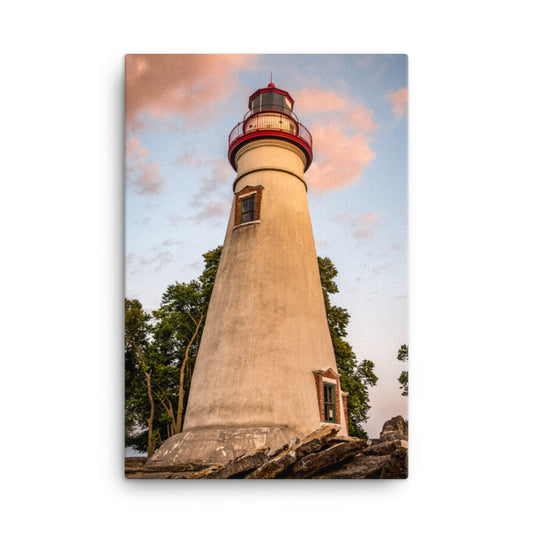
321, 455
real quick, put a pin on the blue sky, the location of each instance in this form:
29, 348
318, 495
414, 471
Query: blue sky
179, 112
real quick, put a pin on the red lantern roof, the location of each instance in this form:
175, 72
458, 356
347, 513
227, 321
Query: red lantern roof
270, 116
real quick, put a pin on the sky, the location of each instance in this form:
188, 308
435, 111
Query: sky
179, 112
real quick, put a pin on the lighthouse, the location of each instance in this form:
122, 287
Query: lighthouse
265, 371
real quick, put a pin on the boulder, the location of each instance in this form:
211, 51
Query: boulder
317, 440
328, 458
360, 467
275, 467
241, 466
385, 447
393, 429
280, 465
397, 467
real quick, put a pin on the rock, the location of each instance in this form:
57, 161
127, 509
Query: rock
280, 464
397, 467
393, 466
316, 440
181, 467
396, 435
206, 473
240, 467
393, 429
326, 459
275, 467
133, 465
292, 444
360, 467
386, 447
385, 458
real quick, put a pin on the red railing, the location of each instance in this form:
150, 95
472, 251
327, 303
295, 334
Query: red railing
271, 121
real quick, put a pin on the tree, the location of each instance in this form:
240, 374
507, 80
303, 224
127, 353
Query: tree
177, 333
138, 373
355, 378
403, 355
158, 377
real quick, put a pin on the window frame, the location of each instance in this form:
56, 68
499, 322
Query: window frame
241, 196
331, 405
244, 200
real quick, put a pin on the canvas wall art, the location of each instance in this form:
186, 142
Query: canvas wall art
266, 308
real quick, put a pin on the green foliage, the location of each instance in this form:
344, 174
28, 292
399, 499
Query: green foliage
355, 377
403, 355
164, 338
137, 341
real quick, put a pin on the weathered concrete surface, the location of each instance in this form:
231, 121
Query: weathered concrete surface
266, 330
215, 446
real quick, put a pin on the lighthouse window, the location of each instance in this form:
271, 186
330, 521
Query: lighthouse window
268, 100
271, 101
330, 405
248, 209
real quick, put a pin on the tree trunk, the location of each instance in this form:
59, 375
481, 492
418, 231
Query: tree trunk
150, 421
151, 440
181, 393
172, 429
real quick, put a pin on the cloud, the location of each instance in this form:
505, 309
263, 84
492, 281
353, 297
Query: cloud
340, 158
380, 269
319, 101
139, 261
164, 85
362, 227
214, 209
171, 242
398, 99
175, 218
217, 174
341, 143
142, 173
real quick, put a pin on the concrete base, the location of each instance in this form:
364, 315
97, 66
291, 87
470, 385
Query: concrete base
218, 445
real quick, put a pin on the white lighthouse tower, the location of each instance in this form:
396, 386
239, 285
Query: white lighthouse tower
266, 370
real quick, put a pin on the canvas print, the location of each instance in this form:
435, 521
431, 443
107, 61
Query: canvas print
266, 272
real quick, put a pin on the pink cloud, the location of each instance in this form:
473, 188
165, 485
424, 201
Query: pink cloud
341, 144
360, 117
164, 85
142, 173
399, 100
314, 101
340, 158
318, 100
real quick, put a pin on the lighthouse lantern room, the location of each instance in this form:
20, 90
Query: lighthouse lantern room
270, 115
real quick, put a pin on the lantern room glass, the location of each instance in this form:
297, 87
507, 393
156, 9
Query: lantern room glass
271, 101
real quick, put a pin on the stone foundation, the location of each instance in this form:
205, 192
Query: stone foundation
218, 445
